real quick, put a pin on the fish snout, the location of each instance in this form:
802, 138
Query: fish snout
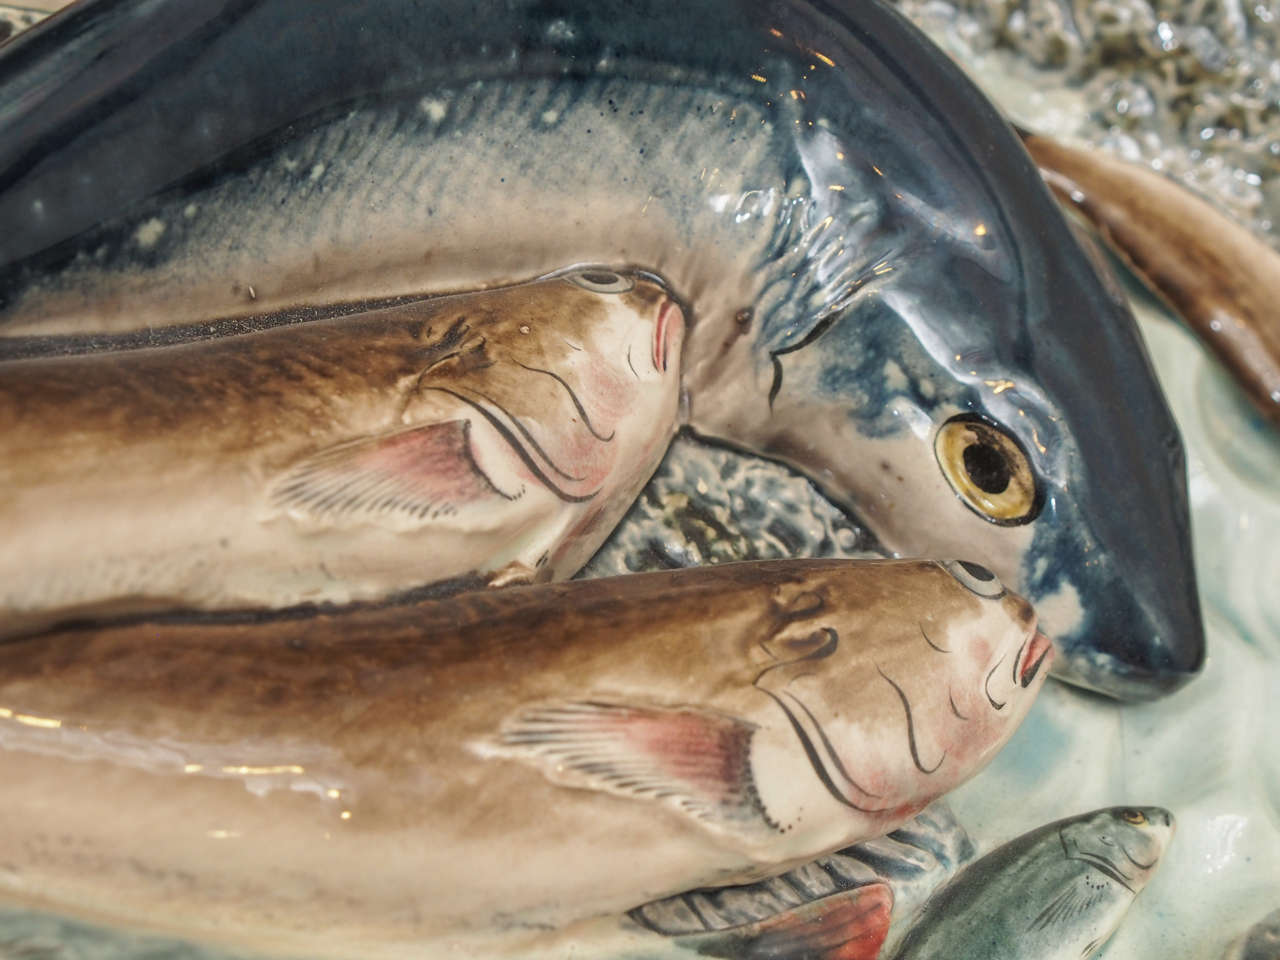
1136, 652
1039, 653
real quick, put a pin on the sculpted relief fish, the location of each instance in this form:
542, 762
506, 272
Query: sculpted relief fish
499, 764
1056, 893
885, 294
494, 434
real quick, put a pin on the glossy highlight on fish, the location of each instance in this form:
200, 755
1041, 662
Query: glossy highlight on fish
479, 767
1056, 893
498, 434
885, 294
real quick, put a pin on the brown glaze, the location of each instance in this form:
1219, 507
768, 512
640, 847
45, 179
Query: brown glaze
357, 778
311, 463
1220, 278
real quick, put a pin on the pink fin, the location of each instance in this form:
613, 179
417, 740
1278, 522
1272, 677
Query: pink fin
697, 760
850, 925
418, 474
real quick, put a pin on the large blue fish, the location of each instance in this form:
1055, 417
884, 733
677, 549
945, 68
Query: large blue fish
885, 295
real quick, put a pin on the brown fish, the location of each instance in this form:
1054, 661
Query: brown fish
1222, 280
498, 764
502, 432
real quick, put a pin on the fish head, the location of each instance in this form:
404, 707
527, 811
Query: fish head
578, 372
1125, 843
901, 680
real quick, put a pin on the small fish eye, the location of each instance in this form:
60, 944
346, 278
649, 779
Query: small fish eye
1133, 816
988, 470
976, 578
599, 280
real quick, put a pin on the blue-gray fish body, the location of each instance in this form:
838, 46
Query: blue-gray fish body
914, 861
1056, 893
884, 294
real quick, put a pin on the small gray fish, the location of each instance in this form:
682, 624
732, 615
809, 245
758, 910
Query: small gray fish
1261, 942
1056, 893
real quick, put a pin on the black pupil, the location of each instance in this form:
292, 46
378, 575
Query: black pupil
986, 468
601, 279
977, 571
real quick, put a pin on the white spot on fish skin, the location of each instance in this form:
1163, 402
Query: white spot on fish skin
37, 208
550, 116
561, 30
147, 235
317, 172
434, 109
524, 328
290, 164
190, 211
894, 377
1061, 611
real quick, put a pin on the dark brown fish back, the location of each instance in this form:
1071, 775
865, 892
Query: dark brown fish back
1221, 280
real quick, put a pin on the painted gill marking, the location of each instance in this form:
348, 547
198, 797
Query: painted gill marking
815, 761
911, 728
630, 364
524, 432
830, 749
930, 642
573, 397
521, 452
986, 686
1103, 865
826, 321
954, 709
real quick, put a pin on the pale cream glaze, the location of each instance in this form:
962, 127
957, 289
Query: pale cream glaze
346, 784
145, 479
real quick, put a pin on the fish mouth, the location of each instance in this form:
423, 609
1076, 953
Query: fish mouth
1036, 653
669, 317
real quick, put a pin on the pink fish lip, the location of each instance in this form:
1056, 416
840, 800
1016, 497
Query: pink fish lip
669, 314
1039, 651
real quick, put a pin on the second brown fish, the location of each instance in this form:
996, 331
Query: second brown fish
500, 433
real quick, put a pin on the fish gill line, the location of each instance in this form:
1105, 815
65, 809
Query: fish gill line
825, 321
573, 397
986, 687
519, 448
814, 760
524, 432
930, 642
954, 709
830, 749
911, 728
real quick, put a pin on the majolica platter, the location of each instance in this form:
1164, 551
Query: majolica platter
1099, 76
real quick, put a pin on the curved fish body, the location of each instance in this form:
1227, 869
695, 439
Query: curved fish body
867, 250
1056, 893
1220, 278
497, 765
496, 434
912, 861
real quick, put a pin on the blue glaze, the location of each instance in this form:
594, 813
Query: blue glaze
879, 211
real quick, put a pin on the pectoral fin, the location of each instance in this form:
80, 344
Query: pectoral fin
694, 760
850, 925
411, 475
